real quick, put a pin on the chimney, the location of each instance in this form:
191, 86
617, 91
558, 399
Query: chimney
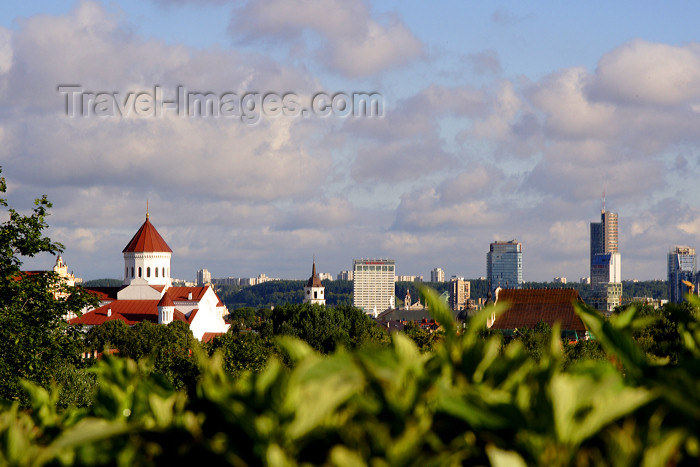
109, 312
189, 296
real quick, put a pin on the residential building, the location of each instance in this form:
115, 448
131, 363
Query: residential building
437, 275
345, 276
682, 270
605, 262
203, 277
460, 292
325, 276
408, 278
504, 265
373, 284
147, 293
314, 291
559, 280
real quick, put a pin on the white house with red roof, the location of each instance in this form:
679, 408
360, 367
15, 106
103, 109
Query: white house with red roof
147, 293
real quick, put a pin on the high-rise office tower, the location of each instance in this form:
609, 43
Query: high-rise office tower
682, 266
606, 262
373, 284
437, 275
504, 265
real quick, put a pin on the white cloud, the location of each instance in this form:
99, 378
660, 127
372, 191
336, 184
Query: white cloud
647, 73
354, 43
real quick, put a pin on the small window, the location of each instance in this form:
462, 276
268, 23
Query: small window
156, 272
132, 272
148, 272
315, 294
126, 272
163, 272
139, 271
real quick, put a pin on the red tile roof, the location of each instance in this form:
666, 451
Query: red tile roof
182, 293
530, 306
192, 315
209, 336
166, 301
147, 239
129, 311
104, 293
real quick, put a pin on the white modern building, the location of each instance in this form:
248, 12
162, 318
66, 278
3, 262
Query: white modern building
373, 284
345, 276
437, 275
203, 277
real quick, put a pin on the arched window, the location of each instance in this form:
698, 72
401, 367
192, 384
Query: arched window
148, 272
156, 272
164, 272
126, 272
139, 271
132, 272
315, 294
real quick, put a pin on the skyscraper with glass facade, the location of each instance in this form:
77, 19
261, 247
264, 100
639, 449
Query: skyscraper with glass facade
606, 262
682, 266
504, 265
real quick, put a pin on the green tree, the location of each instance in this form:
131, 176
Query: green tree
113, 334
423, 339
243, 351
36, 342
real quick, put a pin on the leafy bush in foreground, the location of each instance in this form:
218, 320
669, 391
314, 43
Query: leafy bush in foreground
466, 402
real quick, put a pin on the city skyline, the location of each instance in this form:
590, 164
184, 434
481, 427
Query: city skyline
497, 121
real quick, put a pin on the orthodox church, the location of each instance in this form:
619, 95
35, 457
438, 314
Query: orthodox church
147, 293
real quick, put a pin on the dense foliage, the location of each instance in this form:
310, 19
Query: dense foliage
465, 402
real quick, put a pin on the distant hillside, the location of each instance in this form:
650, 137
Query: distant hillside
340, 292
274, 293
103, 283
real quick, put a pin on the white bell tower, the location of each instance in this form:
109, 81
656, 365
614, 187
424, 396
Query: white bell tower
147, 257
314, 291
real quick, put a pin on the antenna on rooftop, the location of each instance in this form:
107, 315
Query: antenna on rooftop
603, 201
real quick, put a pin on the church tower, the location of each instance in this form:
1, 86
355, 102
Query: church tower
166, 310
147, 258
314, 292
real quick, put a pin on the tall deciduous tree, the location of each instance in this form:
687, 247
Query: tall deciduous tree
36, 342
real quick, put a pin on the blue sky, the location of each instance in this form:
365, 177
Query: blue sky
501, 121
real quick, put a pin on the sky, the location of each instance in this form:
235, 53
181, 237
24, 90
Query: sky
498, 121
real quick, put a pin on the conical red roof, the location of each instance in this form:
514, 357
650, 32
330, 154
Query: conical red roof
147, 239
166, 300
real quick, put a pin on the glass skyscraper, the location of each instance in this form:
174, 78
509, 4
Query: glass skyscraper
504, 265
606, 262
682, 266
